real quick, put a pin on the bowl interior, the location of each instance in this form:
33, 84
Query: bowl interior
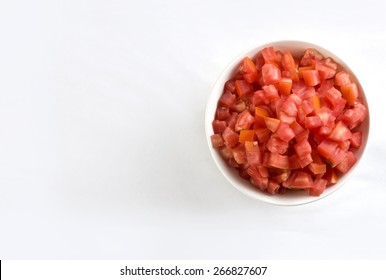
297, 48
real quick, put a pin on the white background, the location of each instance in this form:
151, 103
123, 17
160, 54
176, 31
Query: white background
102, 146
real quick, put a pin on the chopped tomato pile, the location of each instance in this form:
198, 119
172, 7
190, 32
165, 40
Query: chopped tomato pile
289, 122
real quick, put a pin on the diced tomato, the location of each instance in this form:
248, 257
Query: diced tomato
302, 148
344, 145
314, 102
355, 116
275, 98
347, 163
350, 92
325, 86
302, 180
318, 187
302, 90
231, 121
271, 74
256, 178
340, 132
325, 114
333, 95
273, 187
313, 122
297, 128
309, 56
217, 140
239, 106
288, 63
317, 168
304, 68
262, 135
247, 135
242, 87
289, 107
285, 132
311, 77
276, 145
324, 130
326, 69
219, 126
244, 120
277, 161
228, 99
356, 139
272, 123
305, 160
285, 86
239, 154
331, 176
225, 152
254, 154
269, 55
337, 157
281, 175
230, 86
231, 138
327, 148
339, 107
249, 70
342, 78
222, 113
270, 93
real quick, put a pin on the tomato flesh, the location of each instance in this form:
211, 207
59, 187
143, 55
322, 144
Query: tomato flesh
289, 123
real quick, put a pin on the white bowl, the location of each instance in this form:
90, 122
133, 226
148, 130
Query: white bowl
297, 48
